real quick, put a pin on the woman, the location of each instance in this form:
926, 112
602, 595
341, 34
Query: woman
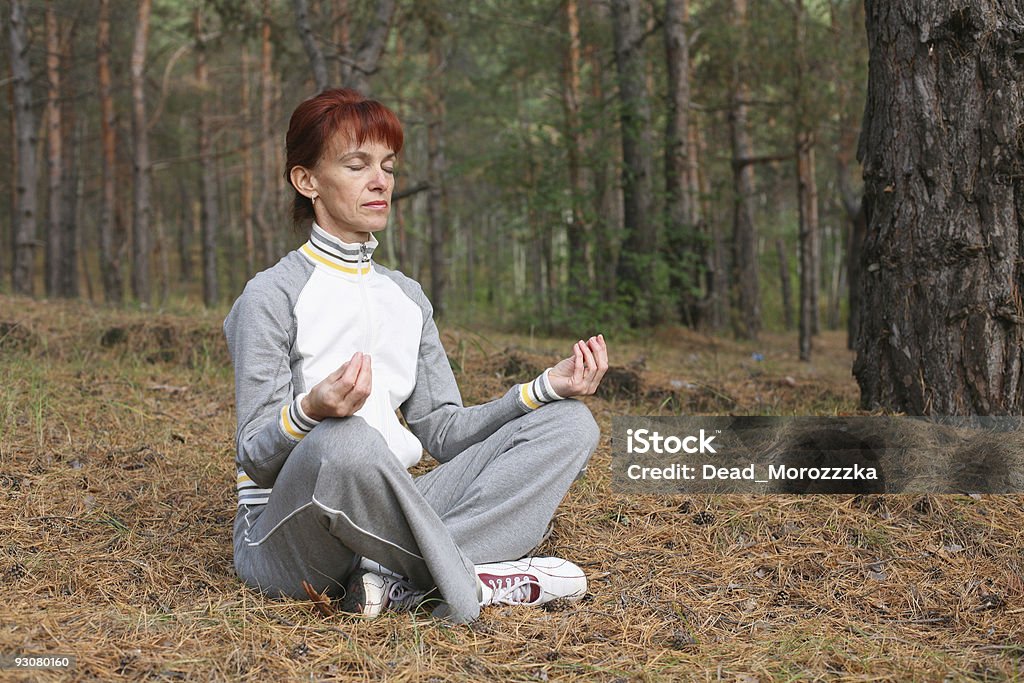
326, 346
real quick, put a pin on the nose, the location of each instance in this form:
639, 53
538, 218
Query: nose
380, 179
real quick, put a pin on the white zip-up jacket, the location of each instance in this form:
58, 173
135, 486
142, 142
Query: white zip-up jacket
300, 320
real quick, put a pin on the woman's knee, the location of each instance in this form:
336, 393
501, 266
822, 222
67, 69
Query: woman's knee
574, 422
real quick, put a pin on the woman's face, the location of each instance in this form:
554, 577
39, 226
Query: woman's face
353, 185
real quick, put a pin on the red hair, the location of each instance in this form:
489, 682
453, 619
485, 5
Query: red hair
316, 122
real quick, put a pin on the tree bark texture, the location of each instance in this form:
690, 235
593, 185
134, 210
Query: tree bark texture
23, 268
639, 244
73, 132
141, 206
681, 236
436, 169
786, 285
744, 231
247, 171
110, 262
207, 172
807, 194
266, 218
54, 153
943, 156
580, 267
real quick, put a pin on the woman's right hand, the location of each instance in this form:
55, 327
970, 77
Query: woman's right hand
342, 392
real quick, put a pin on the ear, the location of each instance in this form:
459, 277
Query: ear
303, 181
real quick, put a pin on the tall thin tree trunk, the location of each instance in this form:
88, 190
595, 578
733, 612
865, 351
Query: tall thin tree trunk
680, 238
266, 217
577, 231
942, 321
640, 244
207, 174
436, 170
23, 269
247, 170
807, 194
141, 207
70, 233
54, 156
744, 230
110, 263
785, 284
606, 215
342, 37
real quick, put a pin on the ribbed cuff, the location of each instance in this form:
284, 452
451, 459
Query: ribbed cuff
294, 422
538, 392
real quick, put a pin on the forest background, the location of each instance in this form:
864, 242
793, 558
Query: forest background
570, 165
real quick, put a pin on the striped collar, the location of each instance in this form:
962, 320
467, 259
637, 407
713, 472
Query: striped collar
327, 250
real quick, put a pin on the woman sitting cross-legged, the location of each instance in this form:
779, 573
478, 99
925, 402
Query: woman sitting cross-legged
326, 346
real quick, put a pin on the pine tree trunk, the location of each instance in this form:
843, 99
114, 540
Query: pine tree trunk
71, 192
577, 232
141, 207
807, 195
745, 262
943, 156
54, 153
266, 217
110, 262
247, 172
24, 234
207, 173
786, 285
639, 245
436, 169
681, 242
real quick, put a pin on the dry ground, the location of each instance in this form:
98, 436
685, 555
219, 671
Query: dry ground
116, 505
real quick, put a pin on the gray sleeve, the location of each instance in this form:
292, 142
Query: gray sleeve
434, 411
260, 332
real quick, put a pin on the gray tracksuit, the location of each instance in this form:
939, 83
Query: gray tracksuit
316, 496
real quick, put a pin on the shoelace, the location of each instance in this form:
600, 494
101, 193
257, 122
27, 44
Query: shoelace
515, 591
403, 595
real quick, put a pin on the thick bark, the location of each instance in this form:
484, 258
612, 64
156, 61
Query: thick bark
110, 262
54, 153
24, 234
745, 263
681, 237
309, 43
943, 152
207, 173
640, 244
141, 206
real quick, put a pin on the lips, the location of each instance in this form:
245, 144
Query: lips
376, 205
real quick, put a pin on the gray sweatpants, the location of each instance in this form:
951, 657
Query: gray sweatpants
342, 495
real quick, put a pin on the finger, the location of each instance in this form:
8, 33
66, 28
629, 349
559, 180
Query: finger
590, 368
577, 370
348, 378
364, 383
600, 350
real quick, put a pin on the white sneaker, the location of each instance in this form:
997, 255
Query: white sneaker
369, 594
530, 581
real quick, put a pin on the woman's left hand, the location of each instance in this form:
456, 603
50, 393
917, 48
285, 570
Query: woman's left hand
581, 373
